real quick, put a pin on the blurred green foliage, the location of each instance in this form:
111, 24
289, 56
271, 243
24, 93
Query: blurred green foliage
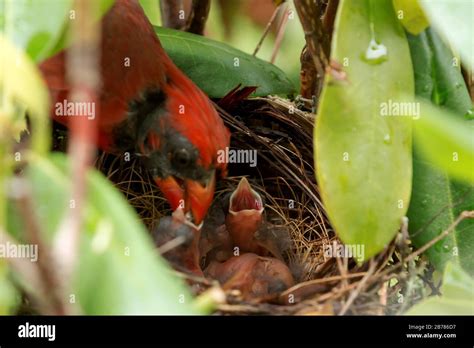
119, 270
454, 19
437, 197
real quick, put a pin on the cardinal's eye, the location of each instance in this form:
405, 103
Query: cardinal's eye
181, 158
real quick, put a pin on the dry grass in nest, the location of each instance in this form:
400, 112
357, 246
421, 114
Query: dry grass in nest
284, 176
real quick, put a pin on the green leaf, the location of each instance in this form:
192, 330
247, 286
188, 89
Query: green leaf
363, 158
21, 86
8, 295
119, 270
35, 26
457, 295
455, 20
217, 68
446, 141
437, 200
411, 15
39, 26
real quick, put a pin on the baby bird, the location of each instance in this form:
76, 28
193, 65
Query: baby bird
245, 252
256, 277
236, 225
178, 241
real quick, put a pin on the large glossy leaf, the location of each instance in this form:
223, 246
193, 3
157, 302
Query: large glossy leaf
38, 26
364, 158
436, 198
455, 19
217, 68
457, 295
119, 271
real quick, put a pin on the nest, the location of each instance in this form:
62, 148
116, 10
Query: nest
282, 136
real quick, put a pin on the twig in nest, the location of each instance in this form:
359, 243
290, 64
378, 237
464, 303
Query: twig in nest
404, 247
172, 244
418, 252
442, 210
383, 298
277, 10
198, 17
342, 266
427, 278
359, 287
308, 288
461, 217
194, 278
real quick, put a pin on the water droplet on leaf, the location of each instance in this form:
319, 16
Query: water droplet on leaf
376, 53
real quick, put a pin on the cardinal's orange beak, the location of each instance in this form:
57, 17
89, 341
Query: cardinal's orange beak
194, 197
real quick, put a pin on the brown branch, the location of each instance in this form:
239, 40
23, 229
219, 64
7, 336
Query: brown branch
329, 17
469, 79
171, 16
308, 74
198, 17
317, 43
83, 75
29, 277
54, 301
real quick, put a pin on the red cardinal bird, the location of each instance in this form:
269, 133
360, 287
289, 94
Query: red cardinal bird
147, 105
